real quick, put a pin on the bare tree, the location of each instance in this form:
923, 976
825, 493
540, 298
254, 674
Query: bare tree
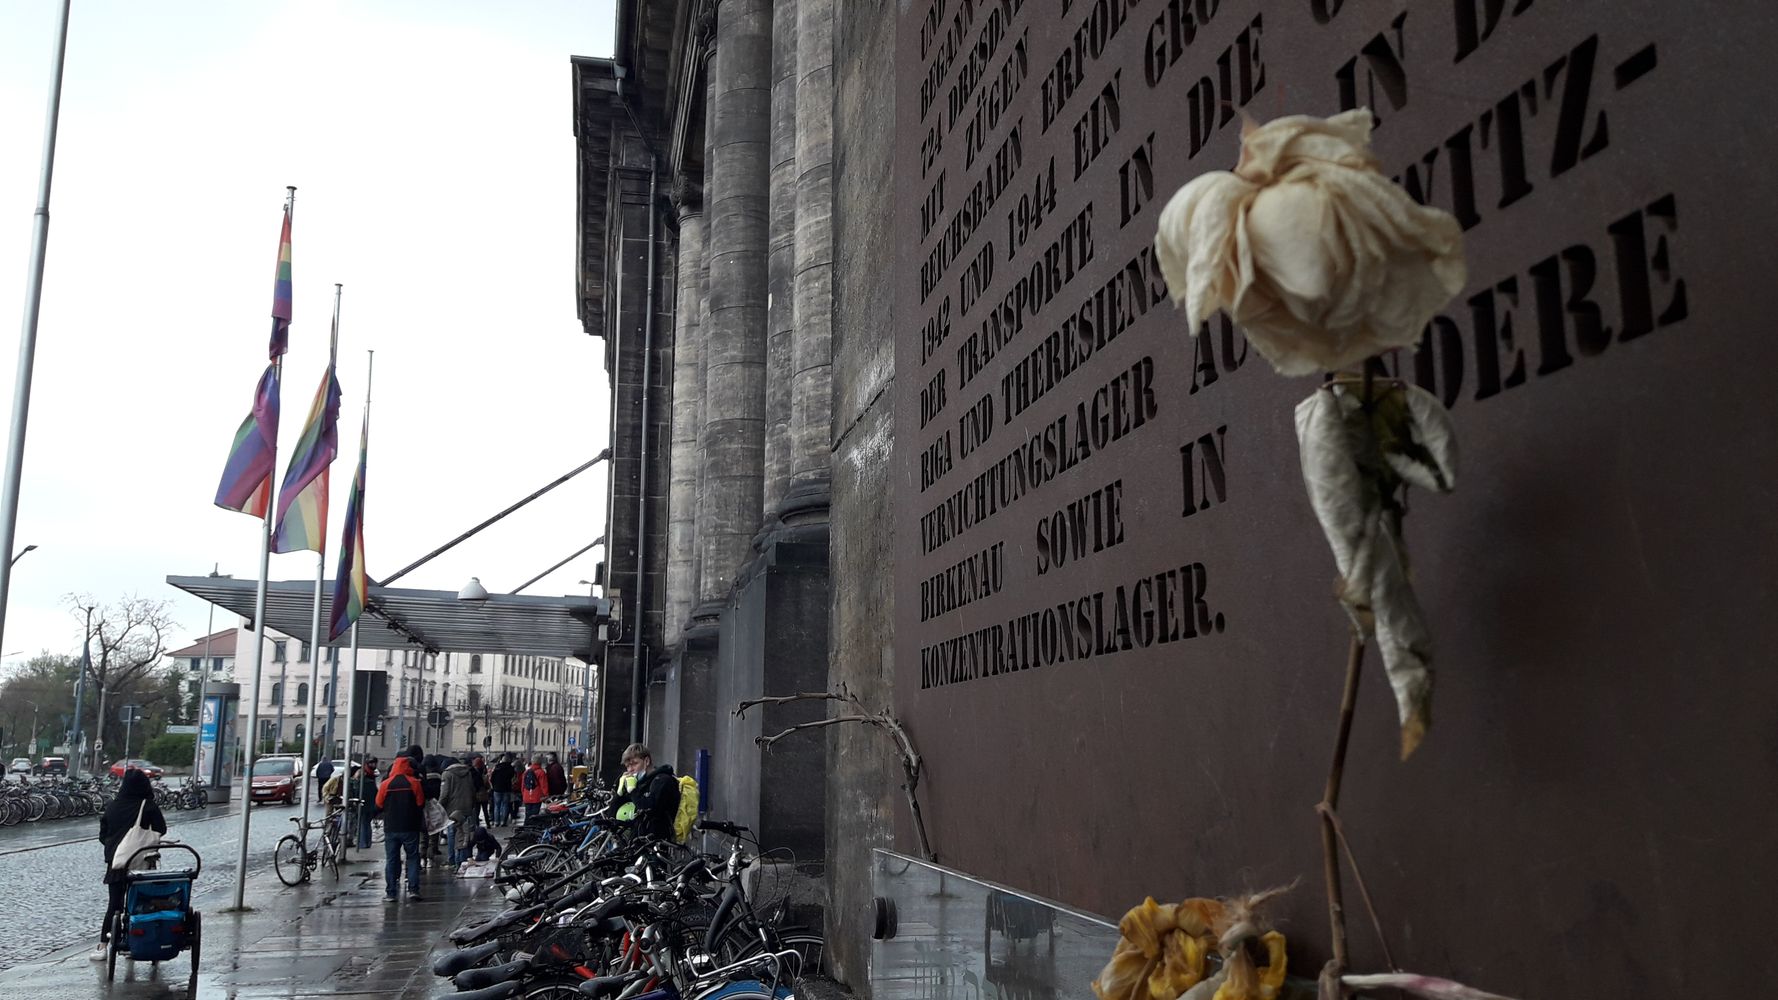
128, 639
912, 766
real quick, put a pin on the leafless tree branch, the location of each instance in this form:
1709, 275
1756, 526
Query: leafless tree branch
911, 764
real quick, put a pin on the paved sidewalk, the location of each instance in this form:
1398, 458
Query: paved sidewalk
324, 939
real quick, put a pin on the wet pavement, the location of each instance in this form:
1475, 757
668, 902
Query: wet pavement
326, 938
50, 873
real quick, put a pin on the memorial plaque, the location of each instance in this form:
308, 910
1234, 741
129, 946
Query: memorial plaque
1117, 645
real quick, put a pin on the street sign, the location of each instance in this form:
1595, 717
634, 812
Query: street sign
438, 718
130, 714
571, 740
182, 730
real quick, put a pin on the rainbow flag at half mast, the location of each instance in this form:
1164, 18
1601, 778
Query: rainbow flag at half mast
302, 499
247, 478
351, 584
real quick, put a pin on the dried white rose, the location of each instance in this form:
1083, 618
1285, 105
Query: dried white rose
1357, 458
1319, 258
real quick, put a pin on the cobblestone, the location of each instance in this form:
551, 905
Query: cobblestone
52, 891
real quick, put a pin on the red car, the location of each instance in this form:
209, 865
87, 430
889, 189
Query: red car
152, 770
274, 780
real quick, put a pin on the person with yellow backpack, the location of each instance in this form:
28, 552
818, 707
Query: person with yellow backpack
661, 804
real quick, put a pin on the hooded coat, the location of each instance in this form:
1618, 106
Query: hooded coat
136, 793
401, 799
457, 791
656, 797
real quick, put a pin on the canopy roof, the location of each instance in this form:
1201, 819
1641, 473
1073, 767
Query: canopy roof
435, 620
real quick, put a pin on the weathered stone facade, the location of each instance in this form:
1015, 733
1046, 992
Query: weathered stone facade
928, 330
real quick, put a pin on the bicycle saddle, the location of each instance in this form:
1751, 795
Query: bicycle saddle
497, 992
464, 958
503, 919
475, 979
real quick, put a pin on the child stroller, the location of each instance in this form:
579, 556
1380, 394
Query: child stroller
157, 921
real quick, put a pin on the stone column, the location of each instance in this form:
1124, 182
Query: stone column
730, 504
811, 398
709, 192
781, 256
688, 372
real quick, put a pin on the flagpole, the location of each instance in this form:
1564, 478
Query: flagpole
316, 645
333, 683
351, 785
21, 392
265, 567
252, 741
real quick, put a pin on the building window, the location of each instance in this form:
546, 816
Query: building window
277, 693
333, 655
475, 663
197, 663
280, 650
304, 657
215, 664
475, 699
302, 694
327, 694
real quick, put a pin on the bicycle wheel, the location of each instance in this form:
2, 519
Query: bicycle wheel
330, 851
745, 989
552, 988
288, 860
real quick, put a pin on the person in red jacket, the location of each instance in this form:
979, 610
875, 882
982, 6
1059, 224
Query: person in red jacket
534, 786
402, 802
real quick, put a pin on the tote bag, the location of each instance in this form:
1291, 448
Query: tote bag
434, 814
134, 839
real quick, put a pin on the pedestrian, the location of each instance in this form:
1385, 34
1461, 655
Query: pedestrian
432, 783
323, 771
485, 844
500, 780
534, 787
365, 792
134, 804
478, 769
401, 799
457, 792
652, 793
558, 779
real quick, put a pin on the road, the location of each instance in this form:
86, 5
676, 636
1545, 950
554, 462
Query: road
50, 872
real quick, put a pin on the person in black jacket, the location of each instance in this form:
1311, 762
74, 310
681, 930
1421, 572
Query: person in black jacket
402, 800
558, 779
500, 778
655, 796
135, 797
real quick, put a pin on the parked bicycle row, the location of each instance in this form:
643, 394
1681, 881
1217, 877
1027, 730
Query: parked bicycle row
44, 799
612, 897
34, 800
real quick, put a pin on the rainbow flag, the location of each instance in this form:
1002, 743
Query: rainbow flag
302, 499
247, 479
281, 292
351, 585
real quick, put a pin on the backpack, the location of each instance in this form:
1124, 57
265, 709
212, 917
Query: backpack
687, 816
530, 779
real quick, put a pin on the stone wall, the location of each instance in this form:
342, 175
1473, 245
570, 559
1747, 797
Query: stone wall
862, 797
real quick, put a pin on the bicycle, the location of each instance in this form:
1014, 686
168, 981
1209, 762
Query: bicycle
293, 859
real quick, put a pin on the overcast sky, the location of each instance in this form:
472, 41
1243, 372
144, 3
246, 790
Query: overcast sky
432, 147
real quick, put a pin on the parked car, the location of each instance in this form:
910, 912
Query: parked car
20, 765
274, 780
53, 765
152, 770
